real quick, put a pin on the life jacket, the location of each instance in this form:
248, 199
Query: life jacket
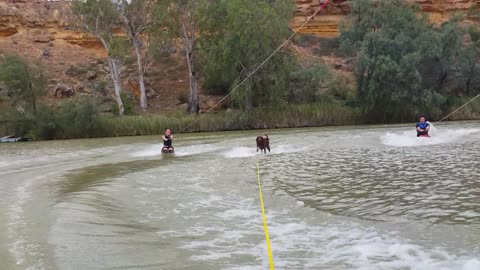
168, 141
423, 125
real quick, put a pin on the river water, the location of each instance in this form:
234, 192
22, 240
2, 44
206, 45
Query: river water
373, 197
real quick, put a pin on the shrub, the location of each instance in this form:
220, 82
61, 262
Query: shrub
100, 87
182, 98
318, 84
127, 105
78, 118
76, 70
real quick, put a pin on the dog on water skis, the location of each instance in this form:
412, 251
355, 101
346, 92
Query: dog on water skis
263, 143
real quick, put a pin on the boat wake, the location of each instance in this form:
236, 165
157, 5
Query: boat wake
195, 150
156, 150
438, 136
241, 152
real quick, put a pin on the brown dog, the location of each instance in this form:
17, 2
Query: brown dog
263, 143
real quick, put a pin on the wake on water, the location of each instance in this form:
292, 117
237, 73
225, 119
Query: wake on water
403, 139
156, 150
241, 152
438, 136
235, 152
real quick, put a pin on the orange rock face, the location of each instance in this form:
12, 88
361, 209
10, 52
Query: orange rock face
40, 31
327, 21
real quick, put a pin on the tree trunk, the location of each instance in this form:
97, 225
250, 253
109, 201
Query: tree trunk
34, 98
189, 40
134, 33
32, 92
248, 99
468, 83
115, 74
114, 66
141, 77
193, 104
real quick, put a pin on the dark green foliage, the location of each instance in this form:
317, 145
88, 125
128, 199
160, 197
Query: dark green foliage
404, 63
42, 125
45, 125
318, 84
23, 82
237, 36
468, 62
78, 118
127, 105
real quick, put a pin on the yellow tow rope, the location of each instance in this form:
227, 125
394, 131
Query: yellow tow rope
265, 227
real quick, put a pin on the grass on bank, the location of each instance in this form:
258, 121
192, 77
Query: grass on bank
82, 120
303, 115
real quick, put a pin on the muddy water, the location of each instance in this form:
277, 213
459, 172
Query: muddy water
336, 198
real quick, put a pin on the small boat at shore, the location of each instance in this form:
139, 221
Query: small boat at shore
12, 138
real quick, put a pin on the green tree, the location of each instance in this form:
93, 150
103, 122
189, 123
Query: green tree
468, 61
78, 118
25, 83
236, 36
100, 18
395, 42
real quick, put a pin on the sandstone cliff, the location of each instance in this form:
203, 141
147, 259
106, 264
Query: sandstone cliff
74, 61
40, 31
326, 24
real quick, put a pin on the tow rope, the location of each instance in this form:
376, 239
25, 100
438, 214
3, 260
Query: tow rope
265, 226
461, 107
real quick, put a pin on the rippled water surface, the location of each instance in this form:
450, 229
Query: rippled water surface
336, 198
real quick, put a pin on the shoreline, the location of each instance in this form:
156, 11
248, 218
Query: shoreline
142, 130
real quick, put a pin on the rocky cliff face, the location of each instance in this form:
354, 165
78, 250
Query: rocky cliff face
74, 61
40, 31
326, 23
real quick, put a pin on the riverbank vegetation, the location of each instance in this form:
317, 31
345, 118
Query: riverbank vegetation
81, 119
401, 65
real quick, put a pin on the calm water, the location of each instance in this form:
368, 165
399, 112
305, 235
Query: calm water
336, 198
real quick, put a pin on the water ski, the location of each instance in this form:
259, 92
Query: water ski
167, 150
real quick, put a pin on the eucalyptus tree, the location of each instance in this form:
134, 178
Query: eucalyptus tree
136, 17
100, 18
176, 19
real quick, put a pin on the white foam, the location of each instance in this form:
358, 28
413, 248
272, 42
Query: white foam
472, 264
155, 150
4, 164
195, 150
282, 149
240, 152
152, 150
301, 245
438, 136
21, 246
